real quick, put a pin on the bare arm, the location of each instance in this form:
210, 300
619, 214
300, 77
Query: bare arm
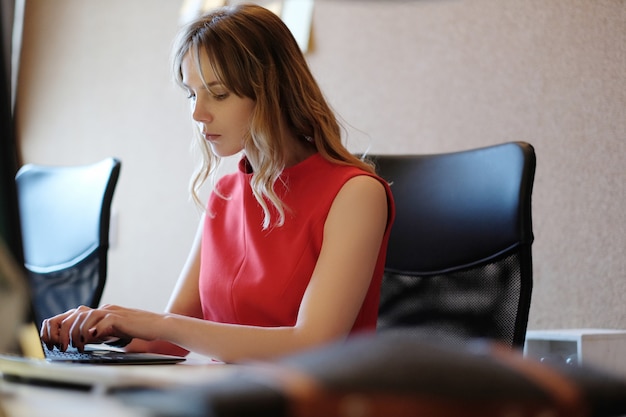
352, 237
184, 301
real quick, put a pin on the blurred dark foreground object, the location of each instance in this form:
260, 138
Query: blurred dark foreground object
396, 375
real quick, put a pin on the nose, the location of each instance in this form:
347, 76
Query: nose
200, 112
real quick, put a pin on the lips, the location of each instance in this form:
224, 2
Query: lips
210, 136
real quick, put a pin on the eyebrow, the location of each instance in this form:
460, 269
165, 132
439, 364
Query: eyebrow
211, 84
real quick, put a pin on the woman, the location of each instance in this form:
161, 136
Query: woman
291, 251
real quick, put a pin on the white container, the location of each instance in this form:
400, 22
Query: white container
604, 349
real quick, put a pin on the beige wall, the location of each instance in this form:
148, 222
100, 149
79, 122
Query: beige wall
408, 77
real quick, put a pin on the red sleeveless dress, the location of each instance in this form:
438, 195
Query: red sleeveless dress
257, 277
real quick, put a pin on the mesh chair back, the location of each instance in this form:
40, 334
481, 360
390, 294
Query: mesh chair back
65, 216
459, 262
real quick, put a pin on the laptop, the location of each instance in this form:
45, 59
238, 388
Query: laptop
21, 343
98, 354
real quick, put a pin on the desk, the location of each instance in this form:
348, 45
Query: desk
20, 399
23, 400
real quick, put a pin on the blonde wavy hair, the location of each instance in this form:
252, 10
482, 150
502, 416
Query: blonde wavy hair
254, 55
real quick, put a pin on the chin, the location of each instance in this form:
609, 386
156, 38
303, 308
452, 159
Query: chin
225, 153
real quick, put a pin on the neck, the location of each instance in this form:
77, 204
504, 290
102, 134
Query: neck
299, 150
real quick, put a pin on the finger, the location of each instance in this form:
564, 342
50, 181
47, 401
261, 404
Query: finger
49, 331
79, 331
84, 329
53, 334
63, 333
66, 325
106, 330
45, 333
102, 330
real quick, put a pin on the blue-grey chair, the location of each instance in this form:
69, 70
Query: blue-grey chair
65, 215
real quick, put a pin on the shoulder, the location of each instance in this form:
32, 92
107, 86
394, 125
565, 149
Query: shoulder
355, 187
364, 189
364, 194
366, 186
341, 174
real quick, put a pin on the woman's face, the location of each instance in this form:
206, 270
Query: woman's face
222, 117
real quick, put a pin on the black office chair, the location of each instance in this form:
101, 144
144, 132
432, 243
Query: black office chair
65, 215
459, 263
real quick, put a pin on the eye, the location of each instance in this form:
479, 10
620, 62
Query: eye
191, 95
220, 97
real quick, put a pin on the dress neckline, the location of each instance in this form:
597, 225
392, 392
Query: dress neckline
246, 169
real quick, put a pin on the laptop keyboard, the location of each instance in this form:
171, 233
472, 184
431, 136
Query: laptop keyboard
101, 356
73, 355
70, 354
